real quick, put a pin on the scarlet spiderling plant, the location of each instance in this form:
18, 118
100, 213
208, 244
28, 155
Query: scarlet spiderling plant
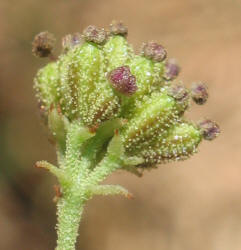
109, 109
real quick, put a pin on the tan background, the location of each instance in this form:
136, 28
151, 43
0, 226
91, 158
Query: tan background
192, 205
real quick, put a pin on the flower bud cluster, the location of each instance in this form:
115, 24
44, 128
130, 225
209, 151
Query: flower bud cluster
99, 78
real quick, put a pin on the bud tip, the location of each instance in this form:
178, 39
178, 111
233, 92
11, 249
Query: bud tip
172, 69
154, 51
209, 129
118, 28
43, 44
179, 93
94, 34
123, 81
199, 93
71, 40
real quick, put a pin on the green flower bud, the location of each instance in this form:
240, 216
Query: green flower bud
46, 85
153, 116
180, 141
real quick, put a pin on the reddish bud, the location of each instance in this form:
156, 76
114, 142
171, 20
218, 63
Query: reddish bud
154, 51
199, 93
71, 40
94, 34
43, 44
209, 129
171, 69
118, 28
122, 80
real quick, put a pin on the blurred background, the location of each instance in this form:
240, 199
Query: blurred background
191, 205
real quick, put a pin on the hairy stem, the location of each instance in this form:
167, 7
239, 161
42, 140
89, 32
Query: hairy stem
69, 216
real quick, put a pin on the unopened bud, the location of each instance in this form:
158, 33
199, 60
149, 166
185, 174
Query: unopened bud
122, 80
43, 44
171, 69
199, 93
154, 51
209, 129
94, 34
71, 40
179, 93
118, 28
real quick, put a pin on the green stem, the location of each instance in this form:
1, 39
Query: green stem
69, 216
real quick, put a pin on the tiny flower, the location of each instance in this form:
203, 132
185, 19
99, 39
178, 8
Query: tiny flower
94, 34
70, 41
172, 69
154, 51
179, 93
122, 80
43, 44
199, 93
209, 129
118, 28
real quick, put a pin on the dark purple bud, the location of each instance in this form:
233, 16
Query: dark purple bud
71, 40
123, 81
199, 93
94, 34
118, 28
154, 51
43, 44
179, 93
171, 69
209, 129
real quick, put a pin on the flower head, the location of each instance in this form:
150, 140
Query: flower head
99, 81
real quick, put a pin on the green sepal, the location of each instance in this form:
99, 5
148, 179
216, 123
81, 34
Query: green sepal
151, 117
117, 52
180, 142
